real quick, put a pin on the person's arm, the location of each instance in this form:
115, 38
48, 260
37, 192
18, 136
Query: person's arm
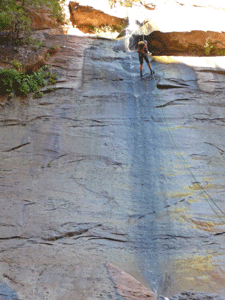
146, 47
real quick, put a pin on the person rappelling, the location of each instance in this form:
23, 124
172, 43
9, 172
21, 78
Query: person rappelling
143, 54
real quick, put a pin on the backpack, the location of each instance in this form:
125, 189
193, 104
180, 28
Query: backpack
141, 47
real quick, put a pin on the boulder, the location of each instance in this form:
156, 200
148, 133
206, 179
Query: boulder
86, 18
197, 43
128, 287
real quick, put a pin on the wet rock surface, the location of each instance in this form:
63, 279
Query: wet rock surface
90, 174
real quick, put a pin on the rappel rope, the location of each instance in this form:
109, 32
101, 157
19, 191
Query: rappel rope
204, 193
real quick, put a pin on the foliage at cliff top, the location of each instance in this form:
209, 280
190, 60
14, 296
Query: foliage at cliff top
14, 15
126, 3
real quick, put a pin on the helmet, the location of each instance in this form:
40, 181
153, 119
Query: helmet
145, 41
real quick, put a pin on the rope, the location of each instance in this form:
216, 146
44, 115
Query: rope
204, 193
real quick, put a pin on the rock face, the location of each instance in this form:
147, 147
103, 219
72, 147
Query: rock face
86, 18
197, 43
89, 175
32, 58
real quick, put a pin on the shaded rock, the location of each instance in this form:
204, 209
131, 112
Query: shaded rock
86, 18
127, 286
170, 84
6, 293
197, 296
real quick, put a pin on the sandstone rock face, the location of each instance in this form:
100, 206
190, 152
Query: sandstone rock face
89, 175
41, 19
86, 18
198, 43
32, 58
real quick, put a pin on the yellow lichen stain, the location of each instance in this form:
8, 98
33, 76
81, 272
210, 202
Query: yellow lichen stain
125, 187
197, 186
178, 194
196, 272
194, 264
208, 226
192, 200
200, 157
169, 174
179, 213
178, 153
177, 127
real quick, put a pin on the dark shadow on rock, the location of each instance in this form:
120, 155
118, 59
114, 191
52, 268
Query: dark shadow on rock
6, 293
197, 296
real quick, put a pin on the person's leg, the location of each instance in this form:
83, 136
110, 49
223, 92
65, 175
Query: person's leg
148, 63
150, 68
141, 68
141, 63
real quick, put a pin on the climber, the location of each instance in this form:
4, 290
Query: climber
143, 53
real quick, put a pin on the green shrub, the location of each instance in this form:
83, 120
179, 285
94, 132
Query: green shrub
14, 16
54, 48
17, 65
128, 3
52, 81
38, 95
21, 84
53, 75
8, 77
220, 52
45, 67
35, 43
208, 47
47, 56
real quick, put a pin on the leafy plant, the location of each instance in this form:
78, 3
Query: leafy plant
208, 47
52, 81
53, 78
128, 3
53, 75
47, 56
220, 52
45, 67
17, 65
19, 83
54, 48
110, 31
14, 14
14, 18
35, 43
38, 95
